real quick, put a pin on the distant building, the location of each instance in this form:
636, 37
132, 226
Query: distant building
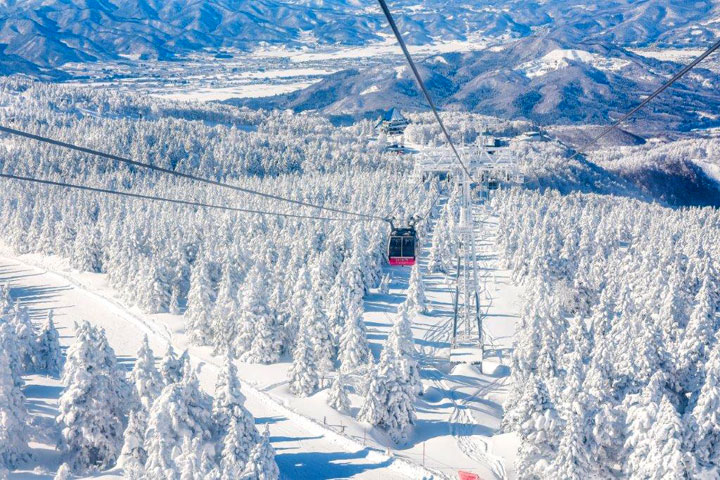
393, 122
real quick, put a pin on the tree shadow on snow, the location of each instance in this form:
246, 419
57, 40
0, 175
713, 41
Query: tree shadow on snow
325, 465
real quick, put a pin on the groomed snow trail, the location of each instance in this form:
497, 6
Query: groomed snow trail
304, 449
475, 398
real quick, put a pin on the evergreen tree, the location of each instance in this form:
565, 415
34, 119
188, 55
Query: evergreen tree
318, 333
229, 410
402, 342
304, 377
133, 455
49, 357
389, 403
181, 411
201, 300
170, 367
705, 426
13, 417
145, 377
337, 396
416, 301
227, 311
354, 349
261, 465
25, 337
235, 451
260, 328
93, 404
699, 336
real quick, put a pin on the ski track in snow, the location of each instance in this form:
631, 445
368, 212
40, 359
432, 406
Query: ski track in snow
462, 425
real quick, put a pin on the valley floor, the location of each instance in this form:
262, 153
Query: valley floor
458, 415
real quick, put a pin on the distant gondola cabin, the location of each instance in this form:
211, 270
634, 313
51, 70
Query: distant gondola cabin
393, 122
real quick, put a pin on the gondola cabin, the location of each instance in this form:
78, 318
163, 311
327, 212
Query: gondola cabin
401, 247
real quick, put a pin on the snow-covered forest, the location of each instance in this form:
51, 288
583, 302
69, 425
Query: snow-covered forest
616, 372
615, 369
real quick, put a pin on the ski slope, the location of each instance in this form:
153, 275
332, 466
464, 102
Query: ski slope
458, 415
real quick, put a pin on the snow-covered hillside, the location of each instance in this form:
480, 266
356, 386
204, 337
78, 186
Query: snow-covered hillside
555, 78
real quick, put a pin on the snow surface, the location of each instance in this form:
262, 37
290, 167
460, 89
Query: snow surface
458, 416
562, 58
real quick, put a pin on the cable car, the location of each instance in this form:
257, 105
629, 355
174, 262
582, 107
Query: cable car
401, 247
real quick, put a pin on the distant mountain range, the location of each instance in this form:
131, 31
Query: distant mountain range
556, 61
559, 77
49, 33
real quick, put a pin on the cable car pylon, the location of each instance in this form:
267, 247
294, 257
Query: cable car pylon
467, 345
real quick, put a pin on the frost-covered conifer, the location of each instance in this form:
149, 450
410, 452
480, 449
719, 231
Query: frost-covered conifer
403, 344
227, 312
145, 378
133, 455
354, 350
235, 451
170, 367
48, 353
25, 337
337, 396
93, 405
201, 300
229, 410
304, 375
259, 326
13, 417
182, 410
318, 333
389, 403
704, 431
261, 465
416, 301
698, 338
300, 293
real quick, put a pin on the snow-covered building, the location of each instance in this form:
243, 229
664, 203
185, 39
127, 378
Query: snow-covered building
393, 122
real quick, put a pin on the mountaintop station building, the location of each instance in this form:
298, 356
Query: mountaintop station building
393, 122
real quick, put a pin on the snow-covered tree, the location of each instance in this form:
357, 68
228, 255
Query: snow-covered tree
14, 432
48, 353
145, 377
319, 335
261, 465
201, 300
133, 455
402, 342
260, 339
389, 402
235, 451
704, 431
304, 375
170, 366
337, 396
93, 404
415, 301
25, 337
227, 311
234, 424
182, 410
354, 350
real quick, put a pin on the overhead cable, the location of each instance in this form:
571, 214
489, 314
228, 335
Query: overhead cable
173, 200
187, 176
647, 100
421, 83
